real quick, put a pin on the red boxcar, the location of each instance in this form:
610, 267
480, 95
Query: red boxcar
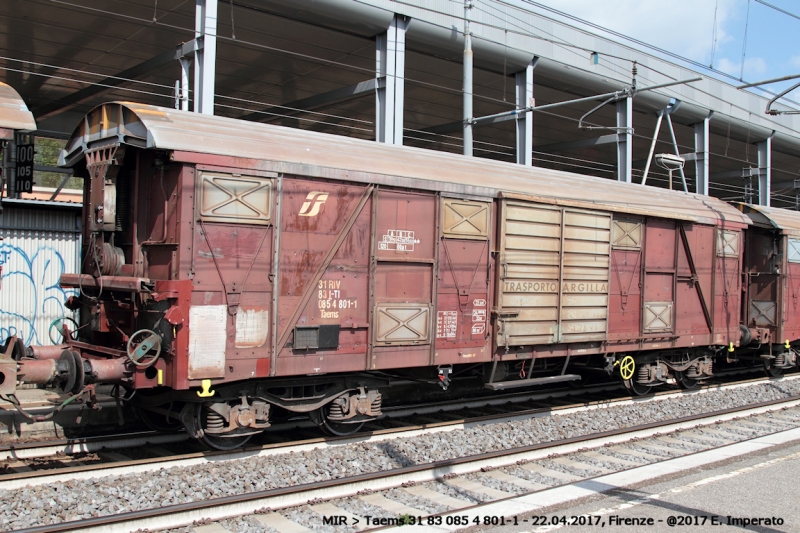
232, 270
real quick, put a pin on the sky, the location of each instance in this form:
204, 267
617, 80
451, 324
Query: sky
686, 27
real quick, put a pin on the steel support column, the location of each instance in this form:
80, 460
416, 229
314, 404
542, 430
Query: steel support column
185, 65
205, 58
467, 82
625, 139
765, 171
525, 120
701, 153
390, 53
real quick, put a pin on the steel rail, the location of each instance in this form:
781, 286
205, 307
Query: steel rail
38, 450
56, 475
48, 448
229, 506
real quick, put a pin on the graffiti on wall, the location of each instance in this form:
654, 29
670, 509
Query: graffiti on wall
30, 296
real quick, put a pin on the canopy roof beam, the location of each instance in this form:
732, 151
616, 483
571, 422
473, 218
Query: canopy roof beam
103, 85
317, 101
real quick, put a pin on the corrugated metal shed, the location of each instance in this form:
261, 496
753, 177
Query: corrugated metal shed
314, 154
37, 246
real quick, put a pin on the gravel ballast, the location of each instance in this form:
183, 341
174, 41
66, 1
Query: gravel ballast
74, 500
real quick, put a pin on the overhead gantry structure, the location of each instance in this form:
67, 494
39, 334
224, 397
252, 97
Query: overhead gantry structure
408, 73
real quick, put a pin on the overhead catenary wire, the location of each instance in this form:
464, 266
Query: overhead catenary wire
238, 108
639, 42
487, 151
744, 40
370, 71
87, 72
171, 96
337, 125
776, 8
714, 35
560, 43
64, 78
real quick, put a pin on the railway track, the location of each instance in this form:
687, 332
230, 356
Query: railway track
14, 456
416, 475
34, 463
22, 457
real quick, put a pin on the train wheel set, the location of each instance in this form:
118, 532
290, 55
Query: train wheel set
236, 273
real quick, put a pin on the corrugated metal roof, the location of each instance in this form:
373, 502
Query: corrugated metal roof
312, 153
14, 113
784, 219
34, 203
40, 216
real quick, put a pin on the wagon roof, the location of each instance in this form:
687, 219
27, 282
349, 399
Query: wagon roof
310, 153
14, 114
783, 219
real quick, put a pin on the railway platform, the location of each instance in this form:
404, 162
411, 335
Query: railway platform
725, 491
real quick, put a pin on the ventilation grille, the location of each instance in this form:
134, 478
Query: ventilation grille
626, 234
727, 243
324, 337
762, 313
465, 219
794, 250
657, 317
402, 323
234, 198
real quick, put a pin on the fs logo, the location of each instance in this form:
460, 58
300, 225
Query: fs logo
313, 202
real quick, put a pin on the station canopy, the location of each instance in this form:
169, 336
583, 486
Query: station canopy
312, 65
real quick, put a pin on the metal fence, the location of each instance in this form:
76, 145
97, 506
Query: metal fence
39, 241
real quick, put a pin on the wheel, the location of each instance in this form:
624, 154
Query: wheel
224, 443
337, 429
636, 389
771, 370
685, 382
158, 422
206, 417
334, 429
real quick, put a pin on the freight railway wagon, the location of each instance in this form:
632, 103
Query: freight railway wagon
233, 272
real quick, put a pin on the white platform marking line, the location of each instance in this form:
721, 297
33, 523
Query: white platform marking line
676, 490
